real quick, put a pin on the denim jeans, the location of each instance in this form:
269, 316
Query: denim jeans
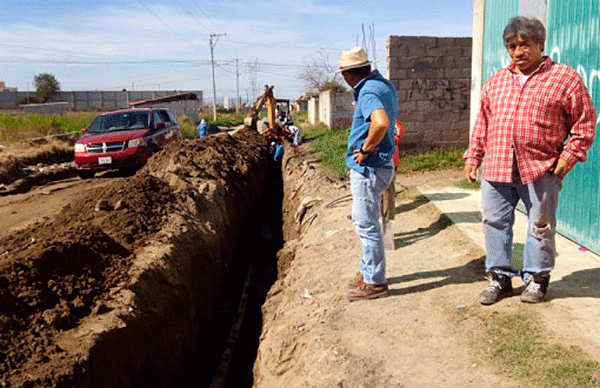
498, 204
367, 189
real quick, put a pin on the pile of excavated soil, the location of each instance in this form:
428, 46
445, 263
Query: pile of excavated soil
57, 274
21, 161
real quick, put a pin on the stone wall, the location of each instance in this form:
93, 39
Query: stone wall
433, 78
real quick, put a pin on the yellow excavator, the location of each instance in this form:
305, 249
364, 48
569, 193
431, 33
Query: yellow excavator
271, 128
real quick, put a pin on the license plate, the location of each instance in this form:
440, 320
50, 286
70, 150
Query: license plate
105, 160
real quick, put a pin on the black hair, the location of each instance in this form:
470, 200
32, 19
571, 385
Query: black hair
529, 27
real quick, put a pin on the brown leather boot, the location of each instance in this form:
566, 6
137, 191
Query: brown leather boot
368, 291
356, 281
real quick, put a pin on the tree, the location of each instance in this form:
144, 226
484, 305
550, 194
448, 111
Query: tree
320, 75
46, 86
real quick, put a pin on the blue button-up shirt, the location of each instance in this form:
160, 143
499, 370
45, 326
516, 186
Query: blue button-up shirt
371, 93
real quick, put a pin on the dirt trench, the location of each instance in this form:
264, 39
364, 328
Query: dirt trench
130, 285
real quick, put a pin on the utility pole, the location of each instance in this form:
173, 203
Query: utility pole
237, 88
213, 43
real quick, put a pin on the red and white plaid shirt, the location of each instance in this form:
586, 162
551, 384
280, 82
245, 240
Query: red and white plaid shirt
531, 122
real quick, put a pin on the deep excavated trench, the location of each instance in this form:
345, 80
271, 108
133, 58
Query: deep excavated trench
138, 284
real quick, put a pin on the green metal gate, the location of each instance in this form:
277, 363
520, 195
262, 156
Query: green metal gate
572, 38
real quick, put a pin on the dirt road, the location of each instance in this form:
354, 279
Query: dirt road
421, 335
21, 210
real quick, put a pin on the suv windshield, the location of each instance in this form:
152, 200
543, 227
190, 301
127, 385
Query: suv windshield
120, 122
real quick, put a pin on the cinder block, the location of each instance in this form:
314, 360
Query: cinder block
433, 73
463, 62
405, 84
428, 41
423, 127
408, 105
414, 48
393, 40
405, 62
409, 127
454, 51
463, 42
415, 116
411, 138
425, 105
456, 73
448, 62
431, 136
435, 52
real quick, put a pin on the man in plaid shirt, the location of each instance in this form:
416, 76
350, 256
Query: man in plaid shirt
535, 123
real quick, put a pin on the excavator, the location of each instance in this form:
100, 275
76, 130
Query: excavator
270, 128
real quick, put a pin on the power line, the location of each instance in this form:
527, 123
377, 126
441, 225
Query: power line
137, 62
194, 16
204, 13
166, 24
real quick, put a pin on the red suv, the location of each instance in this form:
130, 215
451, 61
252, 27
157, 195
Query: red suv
124, 139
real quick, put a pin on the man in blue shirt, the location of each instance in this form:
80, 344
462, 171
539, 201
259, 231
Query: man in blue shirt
369, 157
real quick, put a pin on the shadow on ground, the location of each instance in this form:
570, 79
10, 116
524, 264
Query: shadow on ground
404, 239
471, 272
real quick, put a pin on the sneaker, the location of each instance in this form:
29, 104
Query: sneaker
500, 287
355, 281
536, 289
368, 291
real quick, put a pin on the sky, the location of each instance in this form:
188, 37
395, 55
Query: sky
166, 45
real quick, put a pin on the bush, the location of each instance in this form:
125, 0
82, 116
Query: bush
28, 100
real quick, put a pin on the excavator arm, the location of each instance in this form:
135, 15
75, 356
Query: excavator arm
265, 98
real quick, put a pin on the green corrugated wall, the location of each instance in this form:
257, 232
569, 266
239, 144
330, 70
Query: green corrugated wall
572, 38
497, 14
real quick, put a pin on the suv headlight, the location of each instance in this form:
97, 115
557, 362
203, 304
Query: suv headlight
136, 143
79, 148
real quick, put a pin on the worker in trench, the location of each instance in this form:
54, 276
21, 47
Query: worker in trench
535, 122
369, 158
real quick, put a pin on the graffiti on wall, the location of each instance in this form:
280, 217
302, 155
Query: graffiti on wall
444, 93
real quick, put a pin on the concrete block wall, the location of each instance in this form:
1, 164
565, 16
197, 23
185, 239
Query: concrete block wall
433, 79
335, 109
105, 100
8, 98
82, 100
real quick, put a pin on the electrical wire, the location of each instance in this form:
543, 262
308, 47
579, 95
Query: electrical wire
166, 24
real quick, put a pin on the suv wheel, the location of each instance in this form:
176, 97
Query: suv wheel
86, 174
128, 171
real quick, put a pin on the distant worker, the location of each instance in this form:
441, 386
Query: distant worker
202, 129
278, 151
294, 132
369, 157
536, 121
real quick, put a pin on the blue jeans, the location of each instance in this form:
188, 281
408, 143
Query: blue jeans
498, 204
367, 189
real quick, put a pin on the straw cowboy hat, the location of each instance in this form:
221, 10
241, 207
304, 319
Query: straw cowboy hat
353, 58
